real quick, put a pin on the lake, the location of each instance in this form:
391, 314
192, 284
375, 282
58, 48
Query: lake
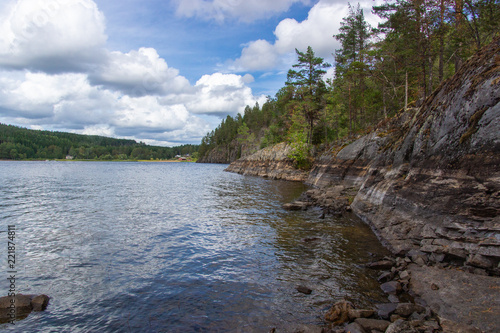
175, 247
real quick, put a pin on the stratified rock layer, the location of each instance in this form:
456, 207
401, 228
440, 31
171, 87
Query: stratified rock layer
272, 162
430, 179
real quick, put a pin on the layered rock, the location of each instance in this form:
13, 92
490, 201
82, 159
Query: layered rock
430, 179
271, 162
224, 154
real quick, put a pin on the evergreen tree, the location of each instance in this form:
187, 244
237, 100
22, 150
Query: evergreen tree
309, 86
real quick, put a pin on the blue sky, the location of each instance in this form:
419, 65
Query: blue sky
161, 72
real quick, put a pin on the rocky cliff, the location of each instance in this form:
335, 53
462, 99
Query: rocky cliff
224, 154
429, 179
272, 162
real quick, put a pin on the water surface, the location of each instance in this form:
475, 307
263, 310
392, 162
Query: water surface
175, 247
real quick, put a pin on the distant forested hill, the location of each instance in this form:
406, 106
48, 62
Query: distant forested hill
18, 143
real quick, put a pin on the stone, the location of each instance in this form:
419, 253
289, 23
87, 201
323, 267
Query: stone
385, 310
400, 326
404, 275
304, 290
362, 313
21, 302
393, 298
419, 261
296, 205
373, 324
385, 277
354, 328
391, 287
339, 312
479, 261
40, 302
406, 309
432, 324
382, 264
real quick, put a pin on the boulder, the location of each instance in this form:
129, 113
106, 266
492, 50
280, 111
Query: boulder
339, 312
296, 205
362, 313
40, 302
21, 303
391, 287
382, 265
385, 310
304, 290
400, 326
20, 306
373, 324
406, 309
354, 328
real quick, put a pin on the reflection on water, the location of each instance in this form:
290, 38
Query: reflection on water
171, 247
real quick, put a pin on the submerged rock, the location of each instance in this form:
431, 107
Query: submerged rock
304, 290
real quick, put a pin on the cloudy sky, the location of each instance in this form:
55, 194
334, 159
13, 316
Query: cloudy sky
164, 72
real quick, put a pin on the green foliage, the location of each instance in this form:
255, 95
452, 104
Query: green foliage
18, 143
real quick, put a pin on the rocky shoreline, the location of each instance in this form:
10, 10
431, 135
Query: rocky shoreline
428, 183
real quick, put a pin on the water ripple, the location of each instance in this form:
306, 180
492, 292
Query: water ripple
157, 247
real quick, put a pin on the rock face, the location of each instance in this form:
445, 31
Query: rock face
430, 179
222, 155
272, 162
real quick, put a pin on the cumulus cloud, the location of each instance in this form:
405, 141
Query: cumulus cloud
37, 95
317, 30
243, 10
56, 73
69, 101
139, 73
51, 36
221, 94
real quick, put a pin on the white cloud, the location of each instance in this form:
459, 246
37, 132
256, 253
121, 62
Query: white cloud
139, 73
317, 30
243, 10
51, 35
148, 114
221, 94
36, 95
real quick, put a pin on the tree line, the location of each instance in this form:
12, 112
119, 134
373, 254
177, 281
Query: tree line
18, 143
379, 71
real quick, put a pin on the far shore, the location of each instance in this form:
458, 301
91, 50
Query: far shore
78, 160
